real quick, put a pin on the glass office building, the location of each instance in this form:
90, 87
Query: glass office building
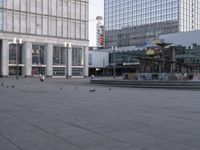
134, 22
53, 33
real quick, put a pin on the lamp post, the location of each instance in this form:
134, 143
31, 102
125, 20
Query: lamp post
66, 59
69, 61
17, 42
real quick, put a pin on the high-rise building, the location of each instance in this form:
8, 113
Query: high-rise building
135, 22
100, 32
48, 37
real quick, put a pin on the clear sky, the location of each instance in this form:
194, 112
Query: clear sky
96, 9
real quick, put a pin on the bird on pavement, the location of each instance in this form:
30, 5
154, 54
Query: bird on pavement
13, 86
2, 85
93, 90
76, 87
109, 89
61, 88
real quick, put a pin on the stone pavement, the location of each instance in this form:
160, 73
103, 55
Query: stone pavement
61, 114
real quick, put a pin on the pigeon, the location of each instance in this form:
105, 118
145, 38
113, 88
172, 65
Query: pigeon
13, 86
42, 78
61, 88
2, 85
7, 86
93, 90
109, 89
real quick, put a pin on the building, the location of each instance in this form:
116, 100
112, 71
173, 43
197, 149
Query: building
48, 37
98, 62
188, 51
136, 22
100, 32
182, 38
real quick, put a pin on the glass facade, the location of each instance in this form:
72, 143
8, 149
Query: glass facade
52, 18
15, 59
188, 58
189, 15
122, 58
39, 55
77, 57
43, 26
59, 55
133, 22
15, 54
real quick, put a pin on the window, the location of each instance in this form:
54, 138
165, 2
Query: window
38, 55
59, 55
77, 57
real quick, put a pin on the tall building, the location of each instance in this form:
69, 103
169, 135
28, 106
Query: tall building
48, 37
100, 32
135, 22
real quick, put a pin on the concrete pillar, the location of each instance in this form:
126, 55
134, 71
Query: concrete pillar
69, 62
5, 58
49, 60
27, 58
86, 66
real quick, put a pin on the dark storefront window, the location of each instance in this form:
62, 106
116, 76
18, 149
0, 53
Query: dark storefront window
39, 55
59, 55
77, 57
15, 53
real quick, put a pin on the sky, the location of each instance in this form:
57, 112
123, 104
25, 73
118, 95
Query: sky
96, 8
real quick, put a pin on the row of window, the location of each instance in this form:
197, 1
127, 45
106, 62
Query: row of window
43, 25
39, 55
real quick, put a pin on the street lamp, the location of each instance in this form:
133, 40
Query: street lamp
65, 45
17, 42
68, 57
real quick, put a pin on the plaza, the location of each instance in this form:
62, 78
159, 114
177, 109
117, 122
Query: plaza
65, 115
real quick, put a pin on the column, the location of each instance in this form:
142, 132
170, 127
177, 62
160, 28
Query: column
4, 58
27, 57
49, 60
69, 62
86, 66
173, 60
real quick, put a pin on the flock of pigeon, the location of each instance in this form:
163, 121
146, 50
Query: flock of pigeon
7, 86
91, 90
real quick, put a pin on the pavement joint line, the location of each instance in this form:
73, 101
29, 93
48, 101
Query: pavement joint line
80, 127
97, 133
174, 141
43, 130
12, 142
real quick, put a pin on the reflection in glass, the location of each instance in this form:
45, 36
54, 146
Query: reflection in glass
38, 55
59, 55
13, 56
77, 57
